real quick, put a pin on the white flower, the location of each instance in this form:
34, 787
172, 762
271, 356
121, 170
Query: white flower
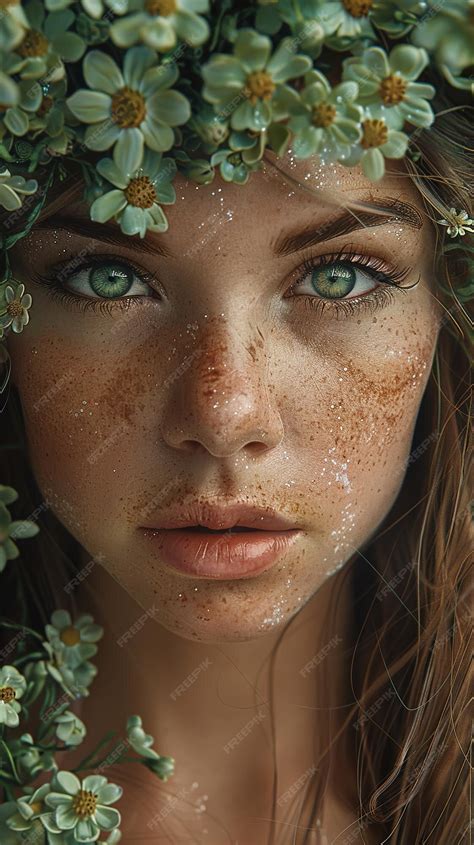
11, 187
458, 222
12, 687
139, 192
129, 108
17, 304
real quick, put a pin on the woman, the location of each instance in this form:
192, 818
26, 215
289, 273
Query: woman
288, 360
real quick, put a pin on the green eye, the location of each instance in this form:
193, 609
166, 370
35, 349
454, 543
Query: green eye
334, 280
111, 280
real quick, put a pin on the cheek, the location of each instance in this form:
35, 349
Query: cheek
354, 404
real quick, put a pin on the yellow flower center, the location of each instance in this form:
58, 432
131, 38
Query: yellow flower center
34, 44
84, 803
7, 694
323, 115
128, 108
259, 85
357, 8
15, 308
37, 807
392, 89
141, 192
375, 133
160, 7
70, 636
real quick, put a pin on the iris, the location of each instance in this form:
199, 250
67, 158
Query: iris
334, 281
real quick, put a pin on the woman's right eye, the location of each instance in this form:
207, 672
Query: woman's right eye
104, 279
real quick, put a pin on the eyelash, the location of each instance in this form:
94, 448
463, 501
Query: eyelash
387, 277
59, 293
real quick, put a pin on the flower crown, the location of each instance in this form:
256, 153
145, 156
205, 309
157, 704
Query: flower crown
127, 81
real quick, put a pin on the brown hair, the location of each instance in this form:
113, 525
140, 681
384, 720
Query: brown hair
408, 729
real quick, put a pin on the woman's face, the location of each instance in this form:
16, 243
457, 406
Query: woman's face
221, 382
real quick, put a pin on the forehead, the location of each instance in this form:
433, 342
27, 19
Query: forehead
285, 193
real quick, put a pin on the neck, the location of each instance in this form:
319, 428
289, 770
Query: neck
211, 706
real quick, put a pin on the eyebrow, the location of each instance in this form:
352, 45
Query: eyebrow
105, 232
378, 213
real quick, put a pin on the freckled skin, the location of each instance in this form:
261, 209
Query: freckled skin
228, 388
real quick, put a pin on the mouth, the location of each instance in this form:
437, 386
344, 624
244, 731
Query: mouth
237, 552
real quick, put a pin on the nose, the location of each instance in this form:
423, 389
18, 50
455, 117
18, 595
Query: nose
221, 400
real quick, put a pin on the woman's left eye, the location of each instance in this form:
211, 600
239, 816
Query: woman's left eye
346, 282
337, 280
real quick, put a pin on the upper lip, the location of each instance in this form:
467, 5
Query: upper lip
221, 517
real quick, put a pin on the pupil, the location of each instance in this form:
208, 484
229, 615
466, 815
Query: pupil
111, 280
334, 281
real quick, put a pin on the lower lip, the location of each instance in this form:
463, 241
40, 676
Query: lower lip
221, 556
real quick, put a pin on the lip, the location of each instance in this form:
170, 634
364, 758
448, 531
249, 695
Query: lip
223, 555
220, 517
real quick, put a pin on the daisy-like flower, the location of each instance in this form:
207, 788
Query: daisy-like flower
12, 687
159, 23
243, 85
75, 681
75, 642
17, 529
30, 761
447, 31
331, 118
47, 43
17, 118
141, 742
131, 108
82, 807
346, 18
13, 24
387, 86
243, 154
17, 304
458, 223
378, 142
139, 192
70, 729
11, 190
28, 810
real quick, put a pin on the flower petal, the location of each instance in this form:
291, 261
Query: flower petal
68, 782
108, 793
101, 136
107, 817
65, 817
136, 62
373, 164
128, 151
101, 72
106, 206
170, 107
396, 145
252, 49
89, 106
